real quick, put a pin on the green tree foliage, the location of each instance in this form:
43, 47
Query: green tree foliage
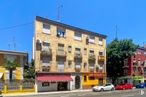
117, 51
29, 71
10, 65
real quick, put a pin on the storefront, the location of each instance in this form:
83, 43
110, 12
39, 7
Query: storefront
77, 81
92, 79
53, 82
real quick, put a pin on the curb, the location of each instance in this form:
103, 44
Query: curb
60, 92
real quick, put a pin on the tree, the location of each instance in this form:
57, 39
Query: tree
29, 70
117, 51
10, 65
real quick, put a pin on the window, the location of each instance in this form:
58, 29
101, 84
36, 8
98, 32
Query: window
85, 78
85, 51
91, 39
100, 53
100, 41
91, 78
60, 65
91, 51
61, 47
69, 49
45, 60
139, 51
85, 65
69, 64
45, 84
46, 45
60, 32
77, 50
46, 68
145, 53
46, 28
78, 36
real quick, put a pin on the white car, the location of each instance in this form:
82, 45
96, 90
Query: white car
105, 87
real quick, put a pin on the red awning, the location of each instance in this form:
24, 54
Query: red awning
54, 78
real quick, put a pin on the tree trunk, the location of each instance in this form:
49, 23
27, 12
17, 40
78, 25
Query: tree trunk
10, 74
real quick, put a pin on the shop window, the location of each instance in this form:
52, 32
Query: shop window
45, 84
85, 78
91, 78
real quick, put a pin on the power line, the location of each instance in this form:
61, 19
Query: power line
15, 26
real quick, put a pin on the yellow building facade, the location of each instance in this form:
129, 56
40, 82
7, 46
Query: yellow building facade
63, 49
20, 59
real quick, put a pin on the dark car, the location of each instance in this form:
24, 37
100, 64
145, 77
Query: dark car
141, 85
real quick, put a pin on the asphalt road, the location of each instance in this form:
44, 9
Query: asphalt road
120, 93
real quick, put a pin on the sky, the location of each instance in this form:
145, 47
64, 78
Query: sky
101, 16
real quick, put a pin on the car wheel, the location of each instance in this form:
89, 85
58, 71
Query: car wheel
112, 89
101, 89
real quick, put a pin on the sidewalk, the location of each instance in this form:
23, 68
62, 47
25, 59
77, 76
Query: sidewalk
55, 92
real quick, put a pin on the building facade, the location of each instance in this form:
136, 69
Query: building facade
135, 66
67, 57
7, 61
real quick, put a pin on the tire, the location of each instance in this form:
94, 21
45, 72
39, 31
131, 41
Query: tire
101, 89
112, 89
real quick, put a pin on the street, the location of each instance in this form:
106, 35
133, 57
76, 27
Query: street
118, 93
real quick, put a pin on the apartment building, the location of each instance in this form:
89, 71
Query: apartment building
67, 57
11, 65
135, 66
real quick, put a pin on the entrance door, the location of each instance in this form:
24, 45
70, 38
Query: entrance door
77, 82
62, 86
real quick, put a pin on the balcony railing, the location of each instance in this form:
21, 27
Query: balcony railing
46, 52
78, 55
91, 56
61, 53
101, 58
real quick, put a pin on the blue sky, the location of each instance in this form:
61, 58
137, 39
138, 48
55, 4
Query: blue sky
96, 15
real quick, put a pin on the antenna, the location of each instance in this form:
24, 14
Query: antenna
59, 11
14, 43
116, 32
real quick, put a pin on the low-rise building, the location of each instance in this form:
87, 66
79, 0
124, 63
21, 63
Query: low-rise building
12, 64
67, 57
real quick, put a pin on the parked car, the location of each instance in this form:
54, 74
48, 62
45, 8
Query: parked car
123, 86
141, 85
105, 87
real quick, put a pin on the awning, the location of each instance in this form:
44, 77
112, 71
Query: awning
54, 78
1, 74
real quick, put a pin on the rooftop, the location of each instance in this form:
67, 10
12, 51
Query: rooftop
45, 20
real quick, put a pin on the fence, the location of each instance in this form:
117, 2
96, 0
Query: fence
17, 86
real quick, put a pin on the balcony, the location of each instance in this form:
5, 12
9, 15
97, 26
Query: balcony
46, 52
91, 56
101, 58
78, 55
61, 53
